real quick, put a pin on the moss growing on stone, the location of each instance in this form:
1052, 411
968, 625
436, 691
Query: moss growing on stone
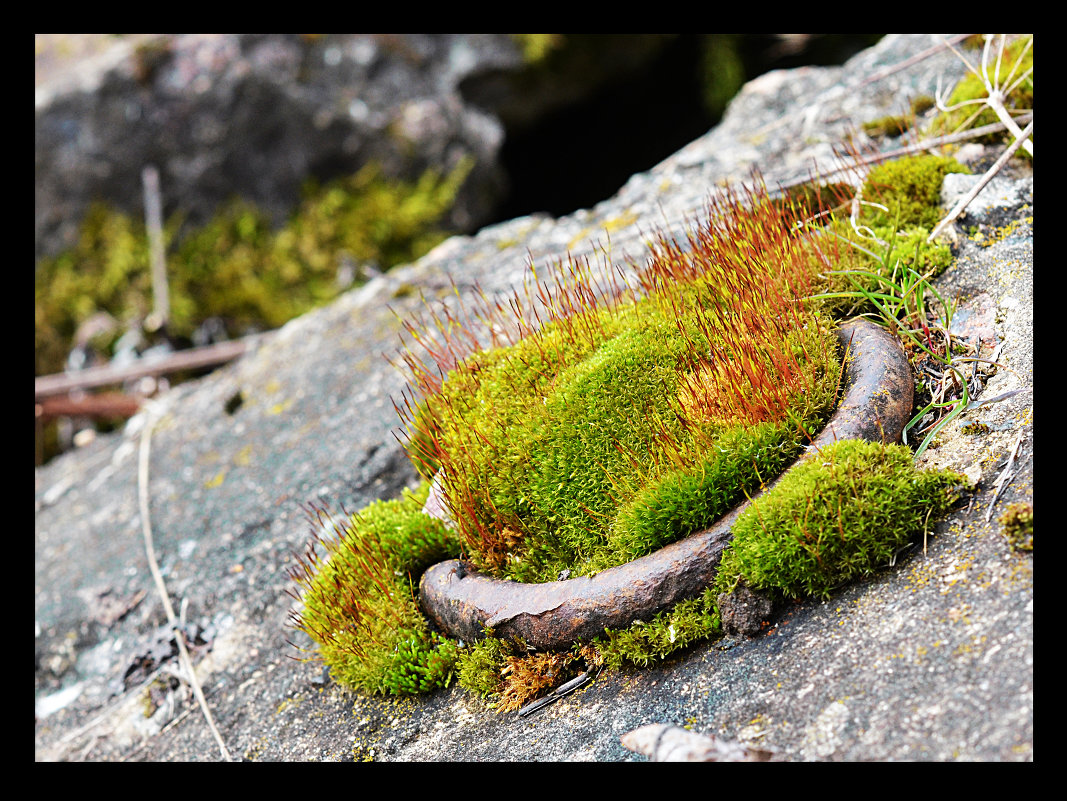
893, 125
897, 124
837, 517
512, 676
612, 422
1017, 59
1017, 524
614, 429
907, 197
480, 665
358, 581
647, 642
910, 189
236, 267
841, 516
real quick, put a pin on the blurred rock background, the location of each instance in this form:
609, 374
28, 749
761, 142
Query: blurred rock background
292, 167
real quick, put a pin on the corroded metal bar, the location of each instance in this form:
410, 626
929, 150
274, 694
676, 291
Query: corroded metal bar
461, 602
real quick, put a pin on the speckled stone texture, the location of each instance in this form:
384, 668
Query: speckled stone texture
930, 659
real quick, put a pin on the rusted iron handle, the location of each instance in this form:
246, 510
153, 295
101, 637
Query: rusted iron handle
876, 405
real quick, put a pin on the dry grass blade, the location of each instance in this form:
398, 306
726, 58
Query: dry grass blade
996, 91
964, 201
153, 565
1007, 474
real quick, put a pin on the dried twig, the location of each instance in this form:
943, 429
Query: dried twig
106, 404
153, 566
556, 694
964, 201
1007, 474
154, 224
106, 375
995, 93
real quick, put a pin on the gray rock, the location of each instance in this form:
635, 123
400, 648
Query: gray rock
254, 116
998, 196
743, 611
931, 659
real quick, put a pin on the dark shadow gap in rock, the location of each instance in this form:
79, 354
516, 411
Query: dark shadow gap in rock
584, 152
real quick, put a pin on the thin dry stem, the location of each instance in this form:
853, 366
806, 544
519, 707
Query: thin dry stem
995, 92
179, 635
965, 201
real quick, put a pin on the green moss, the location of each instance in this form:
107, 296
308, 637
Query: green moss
107, 271
671, 630
1017, 524
922, 104
536, 47
236, 267
1018, 57
608, 429
897, 124
915, 252
512, 676
479, 666
892, 125
359, 599
834, 518
910, 189
608, 434
685, 500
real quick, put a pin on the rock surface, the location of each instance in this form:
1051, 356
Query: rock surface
931, 659
254, 115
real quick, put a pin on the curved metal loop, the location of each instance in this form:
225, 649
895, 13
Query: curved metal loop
461, 602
